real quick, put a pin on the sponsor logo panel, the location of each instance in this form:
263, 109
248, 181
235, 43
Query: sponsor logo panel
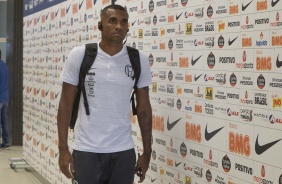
265, 141
244, 169
213, 133
264, 173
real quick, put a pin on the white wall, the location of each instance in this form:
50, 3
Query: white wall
216, 92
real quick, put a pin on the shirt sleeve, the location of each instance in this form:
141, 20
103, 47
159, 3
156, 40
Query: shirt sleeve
71, 69
145, 78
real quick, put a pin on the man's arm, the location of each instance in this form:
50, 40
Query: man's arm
144, 115
64, 115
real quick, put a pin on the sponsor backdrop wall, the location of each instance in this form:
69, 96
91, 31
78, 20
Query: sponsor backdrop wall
216, 92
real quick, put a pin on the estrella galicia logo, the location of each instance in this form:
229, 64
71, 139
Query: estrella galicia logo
151, 6
129, 71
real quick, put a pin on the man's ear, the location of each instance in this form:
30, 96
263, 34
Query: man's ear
100, 27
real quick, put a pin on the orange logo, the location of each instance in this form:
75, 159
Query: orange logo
239, 144
74, 8
52, 153
162, 31
88, 4
158, 123
262, 5
233, 9
277, 102
183, 62
162, 46
170, 18
198, 108
105, 2
276, 41
52, 15
193, 132
42, 18
63, 12
188, 78
169, 162
247, 42
34, 21
263, 63
221, 26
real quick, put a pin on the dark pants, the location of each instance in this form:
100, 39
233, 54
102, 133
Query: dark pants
104, 168
4, 124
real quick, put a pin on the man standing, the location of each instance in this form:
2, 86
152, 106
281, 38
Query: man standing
103, 148
4, 98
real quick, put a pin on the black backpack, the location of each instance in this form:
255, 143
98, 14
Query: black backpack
88, 59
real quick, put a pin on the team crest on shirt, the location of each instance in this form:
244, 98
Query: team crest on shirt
129, 71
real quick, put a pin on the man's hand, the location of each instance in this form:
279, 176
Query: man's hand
142, 166
66, 163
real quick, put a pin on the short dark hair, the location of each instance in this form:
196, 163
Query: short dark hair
113, 6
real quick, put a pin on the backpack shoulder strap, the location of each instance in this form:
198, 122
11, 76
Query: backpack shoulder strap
135, 63
88, 60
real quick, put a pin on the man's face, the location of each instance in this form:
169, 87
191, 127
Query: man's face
114, 25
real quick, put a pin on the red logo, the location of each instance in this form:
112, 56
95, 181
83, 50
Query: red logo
210, 155
198, 90
261, 35
244, 56
277, 16
171, 142
262, 171
247, 20
246, 94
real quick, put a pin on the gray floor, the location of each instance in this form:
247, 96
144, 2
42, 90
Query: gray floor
23, 174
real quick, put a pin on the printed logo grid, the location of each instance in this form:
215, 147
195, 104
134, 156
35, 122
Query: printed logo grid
216, 91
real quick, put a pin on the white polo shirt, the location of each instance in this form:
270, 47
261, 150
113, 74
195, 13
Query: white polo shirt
108, 87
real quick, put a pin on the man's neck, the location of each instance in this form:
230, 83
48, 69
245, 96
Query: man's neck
111, 48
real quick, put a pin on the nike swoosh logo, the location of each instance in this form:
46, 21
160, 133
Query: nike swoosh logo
47, 16
95, 1
30, 21
56, 14
38, 90
278, 63
171, 125
133, 23
178, 16
46, 93
193, 62
80, 4
177, 164
273, 3
209, 135
245, 7
196, 78
56, 95
153, 180
261, 149
68, 9
38, 19
231, 42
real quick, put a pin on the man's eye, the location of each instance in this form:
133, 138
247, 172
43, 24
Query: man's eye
124, 22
